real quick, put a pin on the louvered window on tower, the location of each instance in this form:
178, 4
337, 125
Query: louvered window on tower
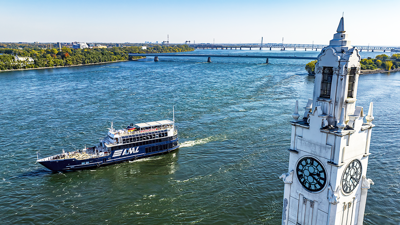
326, 83
352, 78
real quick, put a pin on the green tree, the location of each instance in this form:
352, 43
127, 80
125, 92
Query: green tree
378, 63
388, 65
395, 56
66, 50
54, 51
310, 67
382, 57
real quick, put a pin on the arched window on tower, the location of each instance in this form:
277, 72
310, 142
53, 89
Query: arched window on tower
352, 79
326, 83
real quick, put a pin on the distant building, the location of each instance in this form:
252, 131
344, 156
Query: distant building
100, 46
144, 47
80, 45
165, 42
28, 60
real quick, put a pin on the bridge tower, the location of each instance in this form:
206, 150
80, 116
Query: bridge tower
262, 38
326, 181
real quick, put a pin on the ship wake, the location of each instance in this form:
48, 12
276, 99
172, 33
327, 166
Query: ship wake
202, 141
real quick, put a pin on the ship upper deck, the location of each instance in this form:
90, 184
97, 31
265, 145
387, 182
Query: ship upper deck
115, 137
141, 128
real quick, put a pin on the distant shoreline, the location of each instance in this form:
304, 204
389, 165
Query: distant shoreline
365, 72
55, 67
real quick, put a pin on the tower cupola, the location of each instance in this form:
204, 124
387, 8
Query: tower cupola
336, 78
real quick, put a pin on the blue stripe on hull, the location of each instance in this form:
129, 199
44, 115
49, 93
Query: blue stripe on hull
74, 164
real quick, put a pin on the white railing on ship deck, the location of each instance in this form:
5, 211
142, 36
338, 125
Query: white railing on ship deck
145, 131
71, 156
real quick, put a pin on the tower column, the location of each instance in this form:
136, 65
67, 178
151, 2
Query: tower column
288, 180
366, 184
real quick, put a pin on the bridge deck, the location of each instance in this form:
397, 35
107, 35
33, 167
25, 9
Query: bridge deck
223, 56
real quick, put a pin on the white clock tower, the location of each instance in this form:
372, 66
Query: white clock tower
326, 182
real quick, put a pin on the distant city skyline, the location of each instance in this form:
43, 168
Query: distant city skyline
367, 22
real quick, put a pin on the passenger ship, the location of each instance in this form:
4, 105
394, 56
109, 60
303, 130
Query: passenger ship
134, 142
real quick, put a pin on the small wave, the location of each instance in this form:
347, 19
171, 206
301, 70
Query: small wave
144, 159
201, 141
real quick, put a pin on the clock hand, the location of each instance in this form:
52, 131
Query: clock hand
317, 179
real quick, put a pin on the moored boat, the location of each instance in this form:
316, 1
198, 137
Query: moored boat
133, 142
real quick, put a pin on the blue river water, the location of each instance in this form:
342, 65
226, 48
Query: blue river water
233, 117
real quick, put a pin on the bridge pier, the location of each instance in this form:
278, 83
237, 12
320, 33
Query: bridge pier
240, 48
372, 50
266, 61
250, 48
270, 48
260, 49
295, 48
155, 58
305, 49
316, 49
209, 59
384, 50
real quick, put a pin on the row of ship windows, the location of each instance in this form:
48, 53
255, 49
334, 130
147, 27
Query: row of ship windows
160, 147
142, 138
143, 143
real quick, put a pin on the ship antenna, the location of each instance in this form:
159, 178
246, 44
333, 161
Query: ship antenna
112, 126
173, 113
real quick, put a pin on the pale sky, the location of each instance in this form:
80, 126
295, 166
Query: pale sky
228, 21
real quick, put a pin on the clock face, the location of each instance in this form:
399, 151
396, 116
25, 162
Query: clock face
311, 174
351, 176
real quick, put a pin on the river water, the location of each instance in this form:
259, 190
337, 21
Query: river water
233, 116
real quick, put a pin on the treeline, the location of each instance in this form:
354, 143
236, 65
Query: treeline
67, 56
379, 62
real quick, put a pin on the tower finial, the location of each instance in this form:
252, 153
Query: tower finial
341, 124
296, 115
340, 28
370, 116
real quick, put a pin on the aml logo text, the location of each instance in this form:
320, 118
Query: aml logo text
129, 151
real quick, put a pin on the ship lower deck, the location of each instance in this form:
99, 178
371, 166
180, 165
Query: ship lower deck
122, 155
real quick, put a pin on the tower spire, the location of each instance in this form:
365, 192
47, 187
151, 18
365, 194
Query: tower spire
340, 28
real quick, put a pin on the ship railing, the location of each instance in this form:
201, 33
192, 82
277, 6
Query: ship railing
73, 155
147, 131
